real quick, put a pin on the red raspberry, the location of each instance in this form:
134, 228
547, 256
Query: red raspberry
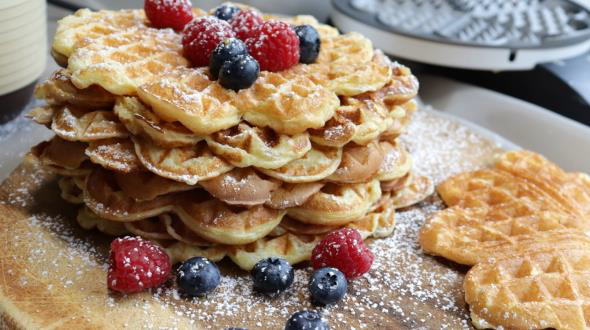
169, 13
136, 265
201, 36
343, 249
274, 45
245, 22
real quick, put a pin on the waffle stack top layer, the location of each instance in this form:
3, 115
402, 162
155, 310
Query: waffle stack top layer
150, 146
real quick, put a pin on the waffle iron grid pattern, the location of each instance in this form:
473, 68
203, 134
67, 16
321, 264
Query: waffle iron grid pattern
517, 23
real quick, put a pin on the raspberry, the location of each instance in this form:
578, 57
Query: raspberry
201, 36
344, 250
274, 45
169, 13
136, 265
245, 22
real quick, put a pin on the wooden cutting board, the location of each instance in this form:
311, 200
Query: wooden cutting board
53, 274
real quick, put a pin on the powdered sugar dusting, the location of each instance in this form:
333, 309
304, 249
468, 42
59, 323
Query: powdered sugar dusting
404, 289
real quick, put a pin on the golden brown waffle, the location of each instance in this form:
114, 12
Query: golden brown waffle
59, 90
217, 222
75, 124
150, 228
468, 236
396, 161
190, 97
245, 145
145, 186
325, 31
549, 177
350, 78
419, 188
114, 154
184, 164
338, 204
105, 198
63, 157
88, 220
70, 191
180, 232
123, 60
240, 186
317, 164
180, 251
546, 288
141, 121
42, 115
397, 184
292, 194
359, 163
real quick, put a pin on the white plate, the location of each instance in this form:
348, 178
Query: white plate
560, 139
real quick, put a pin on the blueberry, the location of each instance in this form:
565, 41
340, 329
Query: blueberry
272, 275
309, 43
238, 73
306, 320
197, 276
327, 286
226, 11
225, 51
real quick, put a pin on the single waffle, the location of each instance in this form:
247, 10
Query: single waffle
141, 121
549, 177
419, 188
292, 194
240, 186
59, 90
338, 204
245, 145
63, 157
123, 60
180, 232
190, 97
114, 154
217, 222
351, 78
492, 187
317, 164
89, 220
75, 124
293, 248
145, 186
359, 164
468, 236
544, 288
104, 197
396, 163
184, 164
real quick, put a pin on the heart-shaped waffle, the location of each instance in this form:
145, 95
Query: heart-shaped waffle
244, 145
114, 154
338, 204
317, 164
59, 90
145, 186
180, 232
105, 198
396, 161
151, 228
292, 194
63, 157
88, 220
76, 124
217, 222
468, 236
141, 121
190, 97
359, 163
184, 164
123, 60
549, 177
416, 191
240, 186
544, 288
286, 102
291, 247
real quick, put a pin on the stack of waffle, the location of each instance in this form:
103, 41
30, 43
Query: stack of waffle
150, 146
